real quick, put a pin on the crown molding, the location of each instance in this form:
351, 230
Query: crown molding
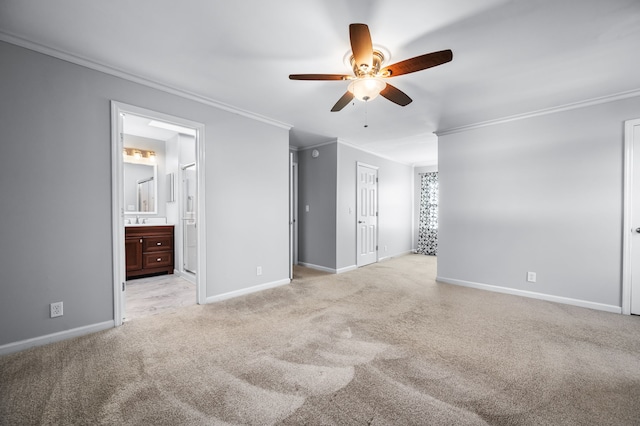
359, 148
546, 111
339, 141
116, 72
318, 145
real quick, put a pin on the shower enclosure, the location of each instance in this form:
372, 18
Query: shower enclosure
189, 234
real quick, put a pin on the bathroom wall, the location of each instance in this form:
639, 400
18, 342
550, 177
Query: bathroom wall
171, 165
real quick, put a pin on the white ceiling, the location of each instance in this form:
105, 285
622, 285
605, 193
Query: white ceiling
510, 57
139, 126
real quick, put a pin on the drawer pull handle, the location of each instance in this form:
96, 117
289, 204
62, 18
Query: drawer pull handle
159, 259
158, 244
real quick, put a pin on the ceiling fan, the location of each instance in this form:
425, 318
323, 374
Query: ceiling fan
368, 79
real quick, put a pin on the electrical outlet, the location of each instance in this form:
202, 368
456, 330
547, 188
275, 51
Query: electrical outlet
259, 270
531, 277
56, 309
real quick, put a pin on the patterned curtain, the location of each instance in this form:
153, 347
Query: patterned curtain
428, 226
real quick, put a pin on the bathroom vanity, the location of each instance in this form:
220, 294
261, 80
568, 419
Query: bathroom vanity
149, 250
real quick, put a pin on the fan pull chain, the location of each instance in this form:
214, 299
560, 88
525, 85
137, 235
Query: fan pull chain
366, 123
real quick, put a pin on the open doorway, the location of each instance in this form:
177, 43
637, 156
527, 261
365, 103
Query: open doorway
157, 231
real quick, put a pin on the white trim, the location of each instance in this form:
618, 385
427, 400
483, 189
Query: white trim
404, 253
201, 225
360, 163
118, 108
546, 111
533, 295
318, 267
185, 276
249, 290
55, 337
117, 212
318, 145
339, 141
346, 269
629, 127
376, 154
117, 72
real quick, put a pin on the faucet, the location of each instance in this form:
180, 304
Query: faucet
137, 220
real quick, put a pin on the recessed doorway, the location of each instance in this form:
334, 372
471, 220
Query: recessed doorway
167, 150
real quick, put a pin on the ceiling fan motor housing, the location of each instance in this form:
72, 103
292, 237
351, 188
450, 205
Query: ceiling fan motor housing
364, 70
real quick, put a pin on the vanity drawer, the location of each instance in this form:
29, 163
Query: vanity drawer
157, 243
157, 260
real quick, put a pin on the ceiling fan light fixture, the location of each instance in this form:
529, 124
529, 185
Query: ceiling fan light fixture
366, 89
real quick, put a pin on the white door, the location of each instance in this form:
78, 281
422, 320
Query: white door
633, 151
367, 215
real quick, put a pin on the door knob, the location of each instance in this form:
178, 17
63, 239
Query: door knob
638, 230
362, 221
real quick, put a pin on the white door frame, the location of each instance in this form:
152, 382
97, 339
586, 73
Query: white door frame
118, 109
181, 203
630, 127
293, 214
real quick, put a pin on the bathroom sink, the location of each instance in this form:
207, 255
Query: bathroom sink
151, 221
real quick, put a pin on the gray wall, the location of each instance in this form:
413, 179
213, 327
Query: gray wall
327, 233
248, 217
394, 205
55, 121
542, 194
317, 182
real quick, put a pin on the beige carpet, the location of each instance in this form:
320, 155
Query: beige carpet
381, 345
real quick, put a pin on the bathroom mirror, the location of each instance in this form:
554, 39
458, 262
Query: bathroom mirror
140, 188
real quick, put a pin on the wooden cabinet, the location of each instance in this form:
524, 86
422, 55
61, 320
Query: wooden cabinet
149, 250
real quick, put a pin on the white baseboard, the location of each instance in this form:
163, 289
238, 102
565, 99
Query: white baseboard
534, 295
242, 292
187, 276
346, 269
404, 253
318, 267
329, 270
55, 337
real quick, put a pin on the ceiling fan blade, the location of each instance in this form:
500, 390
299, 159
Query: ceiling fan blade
418, 63
361, 45
342, 102
396, 95
318, 77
